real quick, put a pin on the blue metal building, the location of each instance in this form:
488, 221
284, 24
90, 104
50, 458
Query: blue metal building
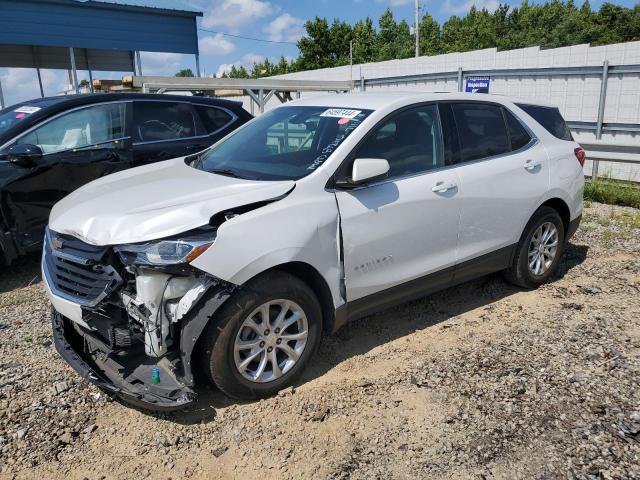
93, 34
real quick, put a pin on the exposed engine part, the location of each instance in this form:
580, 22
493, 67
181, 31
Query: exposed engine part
121, 337
161, 299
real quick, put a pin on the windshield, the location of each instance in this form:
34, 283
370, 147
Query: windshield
13, 115
287, 143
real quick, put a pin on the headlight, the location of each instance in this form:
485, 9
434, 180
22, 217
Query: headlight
166, 252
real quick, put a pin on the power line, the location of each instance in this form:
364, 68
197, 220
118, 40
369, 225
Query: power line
247, 38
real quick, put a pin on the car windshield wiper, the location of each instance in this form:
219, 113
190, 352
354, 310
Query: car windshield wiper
225, 172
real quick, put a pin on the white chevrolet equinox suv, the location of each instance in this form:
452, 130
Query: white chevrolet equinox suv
234, 261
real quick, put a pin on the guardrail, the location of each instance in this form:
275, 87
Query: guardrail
611, 153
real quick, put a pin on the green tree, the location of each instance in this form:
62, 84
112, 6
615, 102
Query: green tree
283, 66
185, 72
555, 23
263, 69
236, 72
341, 34
315, 46
617, 24
430, 36
364, 41
394, 39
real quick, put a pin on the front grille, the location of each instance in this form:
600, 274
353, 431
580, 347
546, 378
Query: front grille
75, 270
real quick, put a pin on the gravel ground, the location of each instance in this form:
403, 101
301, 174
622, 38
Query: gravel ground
479, 381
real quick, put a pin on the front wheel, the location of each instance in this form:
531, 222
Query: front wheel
539, 250
262, 338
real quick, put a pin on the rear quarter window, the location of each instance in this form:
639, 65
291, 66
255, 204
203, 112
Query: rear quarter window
517, 134
213, 118
550, 118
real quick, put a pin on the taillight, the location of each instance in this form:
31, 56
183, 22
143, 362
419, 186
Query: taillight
580, 155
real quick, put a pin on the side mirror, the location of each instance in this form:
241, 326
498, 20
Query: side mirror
23, 154
365, 170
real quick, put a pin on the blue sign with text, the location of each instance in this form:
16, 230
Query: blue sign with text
477, 84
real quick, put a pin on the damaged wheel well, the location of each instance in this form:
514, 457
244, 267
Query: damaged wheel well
313, 279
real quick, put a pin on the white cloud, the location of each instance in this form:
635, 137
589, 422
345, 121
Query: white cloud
19, 84
250, 58
216, 45
159, 63
234, 14
246, 61
223, 68
459, 8
396, 3
286, 27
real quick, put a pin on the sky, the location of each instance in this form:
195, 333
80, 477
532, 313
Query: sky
272, 20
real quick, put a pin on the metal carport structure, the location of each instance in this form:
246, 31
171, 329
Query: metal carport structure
93, 35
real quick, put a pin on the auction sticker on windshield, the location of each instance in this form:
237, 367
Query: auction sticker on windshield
340, 113
26, 109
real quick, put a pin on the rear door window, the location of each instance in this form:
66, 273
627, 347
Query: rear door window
212, 118
550, 118
517, 133
161, 121
482, 131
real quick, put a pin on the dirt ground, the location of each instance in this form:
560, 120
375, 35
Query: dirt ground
479, 381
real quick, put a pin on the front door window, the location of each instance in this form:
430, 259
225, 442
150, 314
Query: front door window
84, 128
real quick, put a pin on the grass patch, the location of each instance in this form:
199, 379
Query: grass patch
613, 192
628, 219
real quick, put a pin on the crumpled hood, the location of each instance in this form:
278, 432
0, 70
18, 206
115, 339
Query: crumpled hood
154, 201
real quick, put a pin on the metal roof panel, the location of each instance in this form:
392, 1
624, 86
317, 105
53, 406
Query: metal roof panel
170, 5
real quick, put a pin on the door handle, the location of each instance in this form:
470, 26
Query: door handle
531, 164
442, 187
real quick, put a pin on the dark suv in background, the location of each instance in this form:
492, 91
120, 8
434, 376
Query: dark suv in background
51, 146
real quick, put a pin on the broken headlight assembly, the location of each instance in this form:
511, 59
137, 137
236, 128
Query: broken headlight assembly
172, 251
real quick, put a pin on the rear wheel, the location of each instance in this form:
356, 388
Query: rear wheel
262, 338
539, 250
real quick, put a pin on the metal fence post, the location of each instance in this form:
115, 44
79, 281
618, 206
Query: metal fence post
460, 79
362, 85
72, 58
1, 96
601, 105
139, 62
37, 64
198, 65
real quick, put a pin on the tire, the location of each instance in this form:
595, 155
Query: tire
520, 273
222, 363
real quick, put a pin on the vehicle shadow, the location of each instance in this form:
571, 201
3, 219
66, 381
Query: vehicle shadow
21, 273
361, 336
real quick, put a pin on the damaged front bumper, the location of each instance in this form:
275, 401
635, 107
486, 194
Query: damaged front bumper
162, 384
126, 376
131, 333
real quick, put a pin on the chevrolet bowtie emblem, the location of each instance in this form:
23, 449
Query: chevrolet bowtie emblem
56, 243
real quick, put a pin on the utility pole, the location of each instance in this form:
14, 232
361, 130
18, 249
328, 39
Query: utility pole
417, 28
351, 59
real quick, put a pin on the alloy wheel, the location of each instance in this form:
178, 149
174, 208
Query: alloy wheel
270, 341
543, 248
